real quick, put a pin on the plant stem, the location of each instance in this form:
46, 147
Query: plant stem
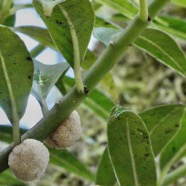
77, 61
4, 13
73, 98
16, 132
14, 115
169, 164
174, 175
44, 106
143, 10
43, 103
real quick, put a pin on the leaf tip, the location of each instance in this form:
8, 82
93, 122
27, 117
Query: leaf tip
48, 6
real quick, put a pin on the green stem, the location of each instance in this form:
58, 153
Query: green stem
14, 118
43, 103
143, 10
169, 165
42, 99
16, 132
7, 4
174, 175
77, 61
44, 106
73, 98
5, 10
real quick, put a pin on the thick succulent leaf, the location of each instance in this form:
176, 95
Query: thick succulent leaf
45, 77
163, 123
176, 144
124, 7
93, 100
130, 149
105, 173
73, 14
36, 33
16, 73
172, 25
164, 48
62, 159
67, 161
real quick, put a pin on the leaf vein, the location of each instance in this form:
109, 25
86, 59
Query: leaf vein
165, 53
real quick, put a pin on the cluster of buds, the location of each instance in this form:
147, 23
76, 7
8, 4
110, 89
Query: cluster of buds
29, 160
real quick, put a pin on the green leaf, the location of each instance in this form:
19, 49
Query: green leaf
172, 25
93, 102
105, 173
108, 85
64, 159
101, 22
10, 21
176, 144
45, 77
16, 72
89, 60
70, 21
36, 33
130, 149
106, 35
162, 122
7, 179
155, 42
124, 7
180, 2
164, 48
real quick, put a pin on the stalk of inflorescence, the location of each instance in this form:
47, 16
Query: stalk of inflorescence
103, 65
76, 52
162, 179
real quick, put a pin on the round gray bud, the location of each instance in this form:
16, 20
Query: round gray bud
29, 160
67, 133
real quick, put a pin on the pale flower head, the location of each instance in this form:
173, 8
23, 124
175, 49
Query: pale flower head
67, 133
29, 160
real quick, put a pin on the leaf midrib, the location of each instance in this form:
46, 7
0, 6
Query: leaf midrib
10, 90
131, 154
